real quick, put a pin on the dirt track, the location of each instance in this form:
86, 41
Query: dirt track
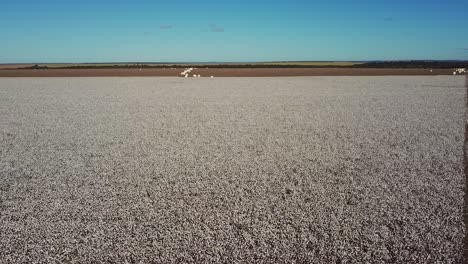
230, 72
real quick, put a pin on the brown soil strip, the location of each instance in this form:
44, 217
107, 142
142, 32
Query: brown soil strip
89, 72
226, 72
272, 72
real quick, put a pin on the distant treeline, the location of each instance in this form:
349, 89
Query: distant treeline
370, 64
414, 64
35, 67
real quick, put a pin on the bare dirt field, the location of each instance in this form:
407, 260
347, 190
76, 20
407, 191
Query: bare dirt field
272, 72
232, 170
90, 72
220, 72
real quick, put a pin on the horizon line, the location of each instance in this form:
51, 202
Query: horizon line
238, 62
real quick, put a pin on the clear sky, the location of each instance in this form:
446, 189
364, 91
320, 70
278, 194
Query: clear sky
236, 30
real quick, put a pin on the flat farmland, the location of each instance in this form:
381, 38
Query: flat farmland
219, 72
232, 170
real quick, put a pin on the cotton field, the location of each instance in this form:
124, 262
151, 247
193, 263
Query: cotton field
282, 170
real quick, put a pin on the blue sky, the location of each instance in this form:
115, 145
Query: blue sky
202, 31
